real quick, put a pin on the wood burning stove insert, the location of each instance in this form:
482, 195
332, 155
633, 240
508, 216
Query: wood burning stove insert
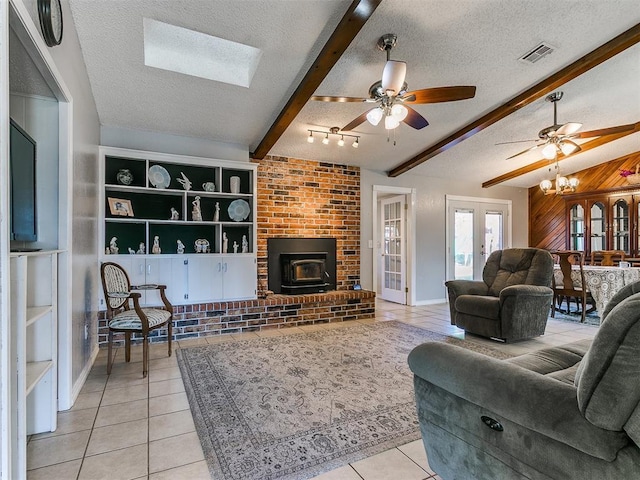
303, 272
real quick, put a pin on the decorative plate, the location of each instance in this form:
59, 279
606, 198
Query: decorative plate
159, 177
239, 210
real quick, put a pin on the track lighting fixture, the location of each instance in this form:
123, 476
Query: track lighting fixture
334, 131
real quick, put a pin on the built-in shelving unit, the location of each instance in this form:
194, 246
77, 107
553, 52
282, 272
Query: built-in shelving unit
141, 208
34, 317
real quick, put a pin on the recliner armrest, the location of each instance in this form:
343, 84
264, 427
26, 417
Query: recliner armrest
530, 290
467, 287
534, 401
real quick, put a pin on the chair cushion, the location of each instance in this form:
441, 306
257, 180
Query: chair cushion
129, 320
479, 306
517, 266
608, 379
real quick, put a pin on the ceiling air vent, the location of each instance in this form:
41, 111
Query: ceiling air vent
537, 53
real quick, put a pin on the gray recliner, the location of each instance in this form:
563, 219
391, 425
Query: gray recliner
568, 412
513, 299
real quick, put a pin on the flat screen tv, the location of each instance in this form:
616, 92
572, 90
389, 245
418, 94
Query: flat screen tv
22, 152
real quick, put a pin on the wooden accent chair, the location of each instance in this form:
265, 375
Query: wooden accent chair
122, 317
567, 289
608, 258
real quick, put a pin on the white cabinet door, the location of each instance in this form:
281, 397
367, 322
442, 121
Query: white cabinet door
240, 277
204, 279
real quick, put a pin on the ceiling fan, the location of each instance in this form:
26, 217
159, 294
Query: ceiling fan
557, 138
391, 95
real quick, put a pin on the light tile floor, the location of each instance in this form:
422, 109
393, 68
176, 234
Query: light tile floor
125, 427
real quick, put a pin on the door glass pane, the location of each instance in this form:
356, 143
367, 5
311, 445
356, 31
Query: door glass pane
598, 232
576, 227
493, 232
621, 225
463, 244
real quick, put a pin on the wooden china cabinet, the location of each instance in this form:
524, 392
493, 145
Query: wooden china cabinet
604, 220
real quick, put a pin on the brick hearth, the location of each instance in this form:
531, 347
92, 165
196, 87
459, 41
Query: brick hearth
275, 311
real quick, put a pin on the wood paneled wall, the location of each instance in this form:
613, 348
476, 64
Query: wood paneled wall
547, 228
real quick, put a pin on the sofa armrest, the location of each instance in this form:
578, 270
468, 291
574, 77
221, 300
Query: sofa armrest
536, 402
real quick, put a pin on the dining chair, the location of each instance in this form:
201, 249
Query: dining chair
608, 258
567, 289
124, 313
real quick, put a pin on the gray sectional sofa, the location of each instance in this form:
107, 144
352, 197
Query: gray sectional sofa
569, 412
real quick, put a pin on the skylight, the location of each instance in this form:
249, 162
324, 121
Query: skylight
193, 53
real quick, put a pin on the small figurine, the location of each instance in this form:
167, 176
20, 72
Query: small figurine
156, 245
245, 244
184, 181
131, 251
180, 247
107, 251
202, 246
216, 215
225, 242
196, 213
142, 249
174, 214
235, 247
113, 246
209, 187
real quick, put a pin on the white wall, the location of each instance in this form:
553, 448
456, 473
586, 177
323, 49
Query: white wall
69, 62
176, 144
430, 255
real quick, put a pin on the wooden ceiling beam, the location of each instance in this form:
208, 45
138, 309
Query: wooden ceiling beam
584, 147
352, 22
546, 86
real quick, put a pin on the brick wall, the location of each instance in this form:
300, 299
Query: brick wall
302, 198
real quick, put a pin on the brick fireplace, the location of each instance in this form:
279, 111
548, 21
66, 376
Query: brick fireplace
296, 199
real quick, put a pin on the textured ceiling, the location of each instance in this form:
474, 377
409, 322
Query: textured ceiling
445, 42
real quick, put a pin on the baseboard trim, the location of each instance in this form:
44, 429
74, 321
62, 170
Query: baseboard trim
79, 383
434, 301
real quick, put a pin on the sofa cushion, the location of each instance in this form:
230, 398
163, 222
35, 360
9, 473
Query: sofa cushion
479, 306
608, 379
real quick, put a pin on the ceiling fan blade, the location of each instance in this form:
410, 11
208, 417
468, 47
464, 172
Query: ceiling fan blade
393, 76
605, 131
567, 129
414, 119
338, 99
525, 151
440, 94
517, 141
356, 121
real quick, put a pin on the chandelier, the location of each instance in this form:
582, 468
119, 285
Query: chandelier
562, 184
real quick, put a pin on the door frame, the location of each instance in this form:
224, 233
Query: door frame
508, 234
380, 191
15, 13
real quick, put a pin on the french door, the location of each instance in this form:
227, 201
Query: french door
393, 263
475, 230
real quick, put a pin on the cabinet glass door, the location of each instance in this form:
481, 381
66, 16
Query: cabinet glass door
576, 227
598, 223
620, 225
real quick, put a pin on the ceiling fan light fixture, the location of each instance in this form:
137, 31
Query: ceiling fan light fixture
393, 76
341, 141
390, 122
325, 140
399, 112
374, 116
310, 137
568, 147
550, 151
356, 143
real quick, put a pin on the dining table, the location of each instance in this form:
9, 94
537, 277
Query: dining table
602, 282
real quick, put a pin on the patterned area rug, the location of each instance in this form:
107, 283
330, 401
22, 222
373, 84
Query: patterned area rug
295, 406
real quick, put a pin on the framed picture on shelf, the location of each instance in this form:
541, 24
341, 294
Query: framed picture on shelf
120, 207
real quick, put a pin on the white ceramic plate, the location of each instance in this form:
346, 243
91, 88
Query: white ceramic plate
159, 177
239, 210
